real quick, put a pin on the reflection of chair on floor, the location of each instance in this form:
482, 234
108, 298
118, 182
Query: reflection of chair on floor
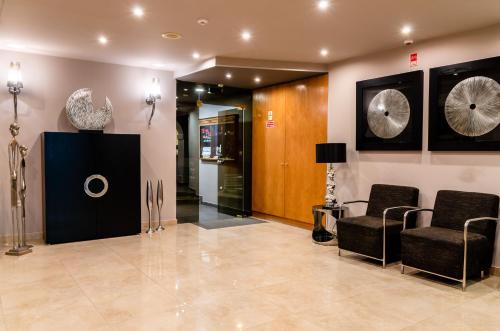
460, 241
376, 235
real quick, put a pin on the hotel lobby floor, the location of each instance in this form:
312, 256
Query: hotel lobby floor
258, 277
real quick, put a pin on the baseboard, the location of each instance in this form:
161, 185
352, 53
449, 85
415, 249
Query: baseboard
37, 237
209, 204
283, 220
31, 238
495, 271
145, 224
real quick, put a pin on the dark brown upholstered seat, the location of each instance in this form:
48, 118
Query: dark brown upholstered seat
364, 234
440, 248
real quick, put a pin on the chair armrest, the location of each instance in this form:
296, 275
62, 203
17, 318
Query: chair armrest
472, 220
398, 207
466, 229
351, 202
414, 211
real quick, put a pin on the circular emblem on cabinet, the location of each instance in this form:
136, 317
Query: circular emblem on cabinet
98, 194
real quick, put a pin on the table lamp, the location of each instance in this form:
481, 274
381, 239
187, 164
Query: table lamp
330, 153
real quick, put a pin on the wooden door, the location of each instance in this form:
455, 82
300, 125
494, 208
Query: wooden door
268, 151
306, 125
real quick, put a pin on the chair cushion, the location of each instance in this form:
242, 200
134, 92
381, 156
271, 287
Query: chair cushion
450, 237
453, 208
440, 251
385, 196
370, 223
364, 235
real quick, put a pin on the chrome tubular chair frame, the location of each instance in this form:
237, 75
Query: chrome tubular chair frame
463, 281
383, 259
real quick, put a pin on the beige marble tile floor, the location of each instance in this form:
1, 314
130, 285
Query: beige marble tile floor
257, 277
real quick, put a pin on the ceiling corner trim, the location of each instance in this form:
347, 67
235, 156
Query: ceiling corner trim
207, 64
230, 62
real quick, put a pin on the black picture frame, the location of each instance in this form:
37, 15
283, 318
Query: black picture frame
442, 80
411, 85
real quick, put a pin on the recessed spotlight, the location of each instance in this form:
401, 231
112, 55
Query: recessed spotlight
257, 79
185, 90
202, 21
171, 35
323, 52
406, 30
137, 11
246, 35
103, 40
196, 55
229, 75
323, 4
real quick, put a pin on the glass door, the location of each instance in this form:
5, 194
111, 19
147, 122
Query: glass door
232, 165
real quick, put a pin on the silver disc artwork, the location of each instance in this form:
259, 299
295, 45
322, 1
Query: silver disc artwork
473, 106
81, 113
388, 114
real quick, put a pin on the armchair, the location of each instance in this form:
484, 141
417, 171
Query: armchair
376, 234
459, 243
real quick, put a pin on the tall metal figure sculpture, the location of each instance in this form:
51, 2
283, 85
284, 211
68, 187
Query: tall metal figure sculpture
159, 203
149, 203
17, 232
15, 151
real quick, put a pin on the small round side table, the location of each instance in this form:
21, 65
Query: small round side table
326, 236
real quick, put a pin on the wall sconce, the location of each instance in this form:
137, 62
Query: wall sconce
15, 83
152, 95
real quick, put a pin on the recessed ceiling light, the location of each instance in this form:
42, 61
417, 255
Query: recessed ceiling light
257, 79
137, 11
185, 90
103, 40
323, 52
246, 35
171, 35
229, 75
406, 30
196, 55
323, 4
202, 21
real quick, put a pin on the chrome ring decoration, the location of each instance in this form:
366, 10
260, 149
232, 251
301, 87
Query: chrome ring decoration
388, 114
472, 108
81, 113
99, 194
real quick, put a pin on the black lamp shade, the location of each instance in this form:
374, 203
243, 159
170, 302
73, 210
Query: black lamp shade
331, 153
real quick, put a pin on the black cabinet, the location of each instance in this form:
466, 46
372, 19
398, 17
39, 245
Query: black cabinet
91, 186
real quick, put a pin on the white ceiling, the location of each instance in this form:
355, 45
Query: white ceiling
285, 30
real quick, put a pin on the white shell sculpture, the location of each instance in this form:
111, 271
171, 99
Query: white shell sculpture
81, 113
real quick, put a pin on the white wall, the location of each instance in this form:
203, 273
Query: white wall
48, 83
430, 172
208, 172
